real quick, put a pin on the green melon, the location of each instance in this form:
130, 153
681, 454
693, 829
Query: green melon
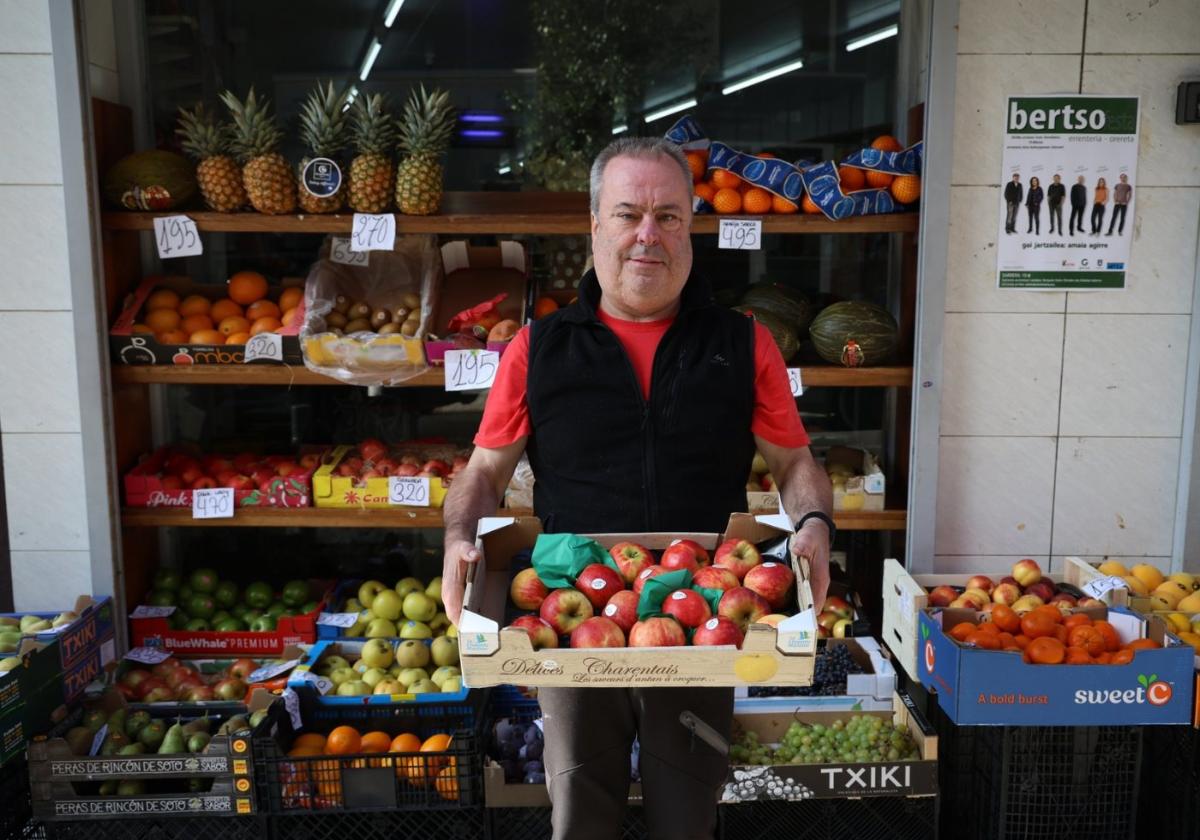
784, 334
789, 304
872, 329
153, 180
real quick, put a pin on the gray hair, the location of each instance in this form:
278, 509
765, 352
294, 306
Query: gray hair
638, 147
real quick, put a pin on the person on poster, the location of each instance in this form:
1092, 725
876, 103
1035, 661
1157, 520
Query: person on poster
1078, 203
1099, 200
1122, 192
1033, 206
1013, 193
617, 400
1055, 194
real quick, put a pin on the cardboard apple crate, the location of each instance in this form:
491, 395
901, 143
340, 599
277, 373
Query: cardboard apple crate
870, 691
473, 275
144, 488
913, 778
338, 491
302, 679
129, 348
494, 656
863, 492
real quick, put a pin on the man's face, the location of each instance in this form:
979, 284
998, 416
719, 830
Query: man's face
1016, 178
1081, 179
641, 242
1124, 179
1057, 179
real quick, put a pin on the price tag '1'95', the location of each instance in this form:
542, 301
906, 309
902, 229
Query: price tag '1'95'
373, 232
341, 252
212, 503
176, 236
794, 382
740, 234
471, 370
410, 490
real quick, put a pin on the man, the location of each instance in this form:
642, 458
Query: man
640, 407
1122, 192
1055, 194
1013, 192
1078, 203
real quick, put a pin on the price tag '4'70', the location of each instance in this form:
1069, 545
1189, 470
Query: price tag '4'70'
373, 233
740, 234
341, 252
176, 236
794, 382
412, 490
212, 503
471, 370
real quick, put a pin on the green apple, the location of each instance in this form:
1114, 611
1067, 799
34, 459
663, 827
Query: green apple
330, 663
434, 589
230, 625
167, 579
367, 592
308, 607
226, 593
395, 670
353, 688
184, 592
263, 624
359, 627
161, 598
440, 624
452, 631
451, 685
258, 595
360, 667
197, 625
178, 619
201, 606
444, 673
415, 630
423, 687
277, 609
444, 651
377, 653
381, 628
389, 686
341, 675
352, 605
411, 675
412, 653
295, 592
373, 676
219, 616
387, 604
409, 584
419, 607
204, 580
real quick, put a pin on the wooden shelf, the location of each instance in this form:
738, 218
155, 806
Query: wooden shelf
499, 213
287, 375
888, 520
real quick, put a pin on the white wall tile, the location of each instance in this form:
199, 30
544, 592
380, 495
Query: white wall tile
43, 490
39, 390
1162, 260
32, 226
50, 581
981, 86
971, 259
1020, 26
101, 40
994, 495
1000, 374
1156, 26
1115, 496
1123, 375
1167, 153
31, 147
24, 26
994, 566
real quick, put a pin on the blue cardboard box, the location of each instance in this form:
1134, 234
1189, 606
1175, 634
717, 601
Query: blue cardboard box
999, 688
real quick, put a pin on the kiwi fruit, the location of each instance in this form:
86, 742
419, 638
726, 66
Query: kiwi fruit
358, 325
410, 300
380, 317
389, 329
359, 310
400, 314
341, 304
336, 320
409, 328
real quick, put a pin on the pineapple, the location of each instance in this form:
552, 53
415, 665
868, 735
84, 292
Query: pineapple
323, 131
219, 176
424, 136
371, 172
268, 179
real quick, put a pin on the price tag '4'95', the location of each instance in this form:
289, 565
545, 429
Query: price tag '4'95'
409, 490
471, 370
212, 503
341, 252
740, 234
794, 382
373, 232
176, 236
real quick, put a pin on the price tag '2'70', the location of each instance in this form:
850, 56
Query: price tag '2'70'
373, 232
176, 236
740, 234
212, 503
410, 490
471, 370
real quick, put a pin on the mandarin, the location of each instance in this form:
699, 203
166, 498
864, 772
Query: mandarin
194, 305
1077, 656
376, 742
705, 191
1086, 637
808, 205
851, 178
262, 309
206, 337
756, 201
1121, 657
1077, 620
225, 308
196, 323
879, 180
886, 143
961, 630
698, 163
906, 189
265, 324
1036, 625
986, 641
1143, 644
245, 287
161, 320
1004, 617
1046, 651
1112, 641
162, 299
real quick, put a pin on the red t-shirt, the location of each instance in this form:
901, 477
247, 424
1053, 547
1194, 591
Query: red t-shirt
506, 415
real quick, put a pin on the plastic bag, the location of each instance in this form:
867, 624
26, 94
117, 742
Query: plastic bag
368, 358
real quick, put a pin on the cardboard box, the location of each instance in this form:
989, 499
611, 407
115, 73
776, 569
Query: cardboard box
473, 275
144, 486
863, 491
976, 686
338, 491
833, 781
69, 657
494, 656
1092, 581
129, 348
351, 649
871, 690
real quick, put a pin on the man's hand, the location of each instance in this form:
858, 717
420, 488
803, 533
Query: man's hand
812, 543
460, 556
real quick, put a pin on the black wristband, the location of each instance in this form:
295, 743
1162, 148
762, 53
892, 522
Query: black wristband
816, 514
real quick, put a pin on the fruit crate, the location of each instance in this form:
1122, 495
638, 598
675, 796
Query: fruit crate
534, 824
16, 815
461, 824
145, 487
870, 681
362, 782
195, 827
347, 491
299, 680
1170, 797
72, 656
891, 818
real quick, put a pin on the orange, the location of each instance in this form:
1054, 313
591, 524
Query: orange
290, 298
224, 308
765, 156
906, 188
1077, 656
723, 179
233, 324
1103, 658
1112, 641
376, 742
808, 205
851, 179
194, 305
141, 329
886, 143
879, 180
195, 323
727, 200
343, 740
447, 782
982, 639
961, 630
405, 742
989, 628
1061, 633
705, 190
1006, 619
172, 337
1050, 611
1036, 625
782, 205
1077, 620
161, 320
261, 309
435, 744
1022, 640
162, 299
1088, 638
245, 287
237, 338
698, 163
543, 306
291, 317
206, 337
757, 201
1046, 651
1121, 657
1143, 644
309, 740
265, 325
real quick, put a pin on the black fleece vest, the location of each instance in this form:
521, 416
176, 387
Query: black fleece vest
607, 460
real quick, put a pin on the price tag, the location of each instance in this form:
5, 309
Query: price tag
98, 741
212, 503
409, 490
373, 233
176, 236
1097, 588
292, 703
266, 672
147, 655
152, 612
265, 345
740, 234
321, 684
794, 382
341, 252
471, 370
337, 619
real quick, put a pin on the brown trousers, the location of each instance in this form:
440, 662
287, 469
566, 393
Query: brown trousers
589, 733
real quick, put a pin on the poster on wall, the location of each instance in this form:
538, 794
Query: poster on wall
1068, 192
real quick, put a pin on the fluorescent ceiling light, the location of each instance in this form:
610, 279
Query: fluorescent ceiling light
369, 61
867, 40
351, 97
504, 170
620, 129
670, 109
393, 9
481, 118
486, 133
762, 77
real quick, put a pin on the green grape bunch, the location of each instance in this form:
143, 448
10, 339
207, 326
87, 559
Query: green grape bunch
862, 738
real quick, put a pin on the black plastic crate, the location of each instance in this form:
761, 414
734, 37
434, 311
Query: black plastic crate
363, 782
877, 818
1170, 804
463, 824
197, 827
534, 824
16, 812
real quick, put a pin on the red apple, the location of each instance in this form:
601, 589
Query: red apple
146, 686
371, 449
599, 583
171, 482
739, 556
133, 678
527, 590
981, 582
942, 596
386, 465
158, 694
203, 483
242, 668
1086, 602
715, 577
774, 581
631, 559
190, 475
1027, 571
838, 606
743, 606
409, 458
239, 482
566, 609
688, 607
1043, 588
657, 632
684, 554
165, 667
644, 575
244, 462
1006, 593
345, 471
196, 693
772, 620
214, 464
597, 632
1063, 598
263, 475
310, 460
827, 619
978, 597
372, 472
541, 634
355, 463
406, 469
621, 609
179, 675
434, 465
718, 631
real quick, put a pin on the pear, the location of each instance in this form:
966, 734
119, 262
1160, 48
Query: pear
64, 618
9, 663
30, 621
9, 640
39, 626
8, 621
434, 589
